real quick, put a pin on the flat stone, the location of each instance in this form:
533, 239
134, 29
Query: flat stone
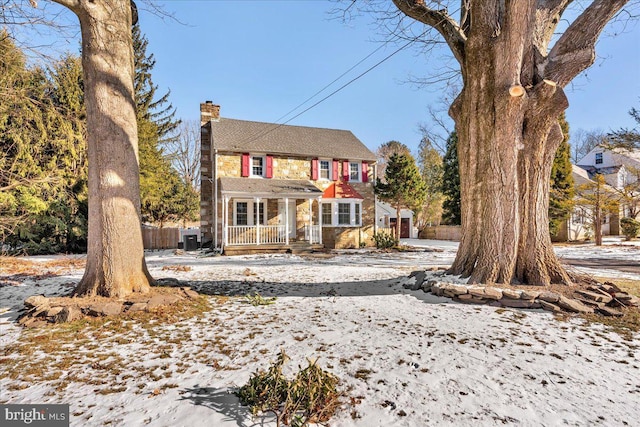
492, 293
160, 300
454, 289
516, 303
511, 293
549, 297
137, 306
593, 296
529, 295
68, 314
53, 311
573, 305
549, 306
104, 309
36, 301
609, 312
476, 291
598, 290
436, 289
426, 287
467, 299
610, 288
590, 303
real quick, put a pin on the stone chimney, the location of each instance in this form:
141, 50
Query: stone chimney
209, 111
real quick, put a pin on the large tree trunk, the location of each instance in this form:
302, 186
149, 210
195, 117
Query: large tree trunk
115, 254
507, 138
507, 123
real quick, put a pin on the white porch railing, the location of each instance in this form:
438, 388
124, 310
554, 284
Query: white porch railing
256, 235
312, 233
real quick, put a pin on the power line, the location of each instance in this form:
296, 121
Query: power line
253, 138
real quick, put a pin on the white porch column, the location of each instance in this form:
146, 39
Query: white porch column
286, 220
225, 220
311, 221
256, 215
320, 219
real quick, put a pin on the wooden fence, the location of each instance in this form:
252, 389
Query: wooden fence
442, 232
161, 238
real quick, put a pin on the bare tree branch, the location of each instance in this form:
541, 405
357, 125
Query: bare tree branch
438, 19
575, 50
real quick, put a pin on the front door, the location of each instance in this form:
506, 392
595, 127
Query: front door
292, 216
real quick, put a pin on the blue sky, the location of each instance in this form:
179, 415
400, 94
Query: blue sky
260, 59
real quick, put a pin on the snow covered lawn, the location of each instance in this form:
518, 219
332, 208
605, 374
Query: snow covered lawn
404, 358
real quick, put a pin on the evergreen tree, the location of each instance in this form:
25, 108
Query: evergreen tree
403, 186
385, 151
430, 163
451, 213
163, 194
562, 191
43, 202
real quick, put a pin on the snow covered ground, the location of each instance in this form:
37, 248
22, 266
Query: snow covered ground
408, 358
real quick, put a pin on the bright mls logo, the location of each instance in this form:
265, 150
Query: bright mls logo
34, 415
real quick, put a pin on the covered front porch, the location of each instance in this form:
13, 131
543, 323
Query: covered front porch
260, 215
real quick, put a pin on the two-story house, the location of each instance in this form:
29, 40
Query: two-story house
270, 187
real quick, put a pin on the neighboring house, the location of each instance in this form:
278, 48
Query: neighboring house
386, 215
578, 226
270, 187
619, 169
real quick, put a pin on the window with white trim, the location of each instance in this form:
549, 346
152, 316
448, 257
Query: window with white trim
599, 158
258, 213
354, 172
344, 213
327, 214
242, 213
325, 169
257, 166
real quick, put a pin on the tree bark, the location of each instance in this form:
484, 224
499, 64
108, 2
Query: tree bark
115, 255
507, 123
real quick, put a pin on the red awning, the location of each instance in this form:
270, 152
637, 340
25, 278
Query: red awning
341, 190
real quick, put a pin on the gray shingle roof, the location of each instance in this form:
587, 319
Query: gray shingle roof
256, 137
257, 187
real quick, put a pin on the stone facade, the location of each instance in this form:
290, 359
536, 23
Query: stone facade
215, 165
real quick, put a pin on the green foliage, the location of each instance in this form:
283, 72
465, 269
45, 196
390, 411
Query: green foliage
164, 196
562, 190
403, 186
257, 299
384, 153
630, 227
43, 166
431, 168
311, 397
384, 240
451, 211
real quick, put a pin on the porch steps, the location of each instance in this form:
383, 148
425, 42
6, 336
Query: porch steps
293, 247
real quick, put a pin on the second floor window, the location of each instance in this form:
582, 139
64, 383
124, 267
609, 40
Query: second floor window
354, 172
598, 158
257, 166
324, 169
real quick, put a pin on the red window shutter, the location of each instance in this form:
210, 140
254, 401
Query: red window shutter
335, 174
269, 166
314, 169
245, 164
365, 172
345, 170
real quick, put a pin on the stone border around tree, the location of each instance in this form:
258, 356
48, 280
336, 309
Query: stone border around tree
601, 298
41, 310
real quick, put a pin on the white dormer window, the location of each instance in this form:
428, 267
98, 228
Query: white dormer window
599, 159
